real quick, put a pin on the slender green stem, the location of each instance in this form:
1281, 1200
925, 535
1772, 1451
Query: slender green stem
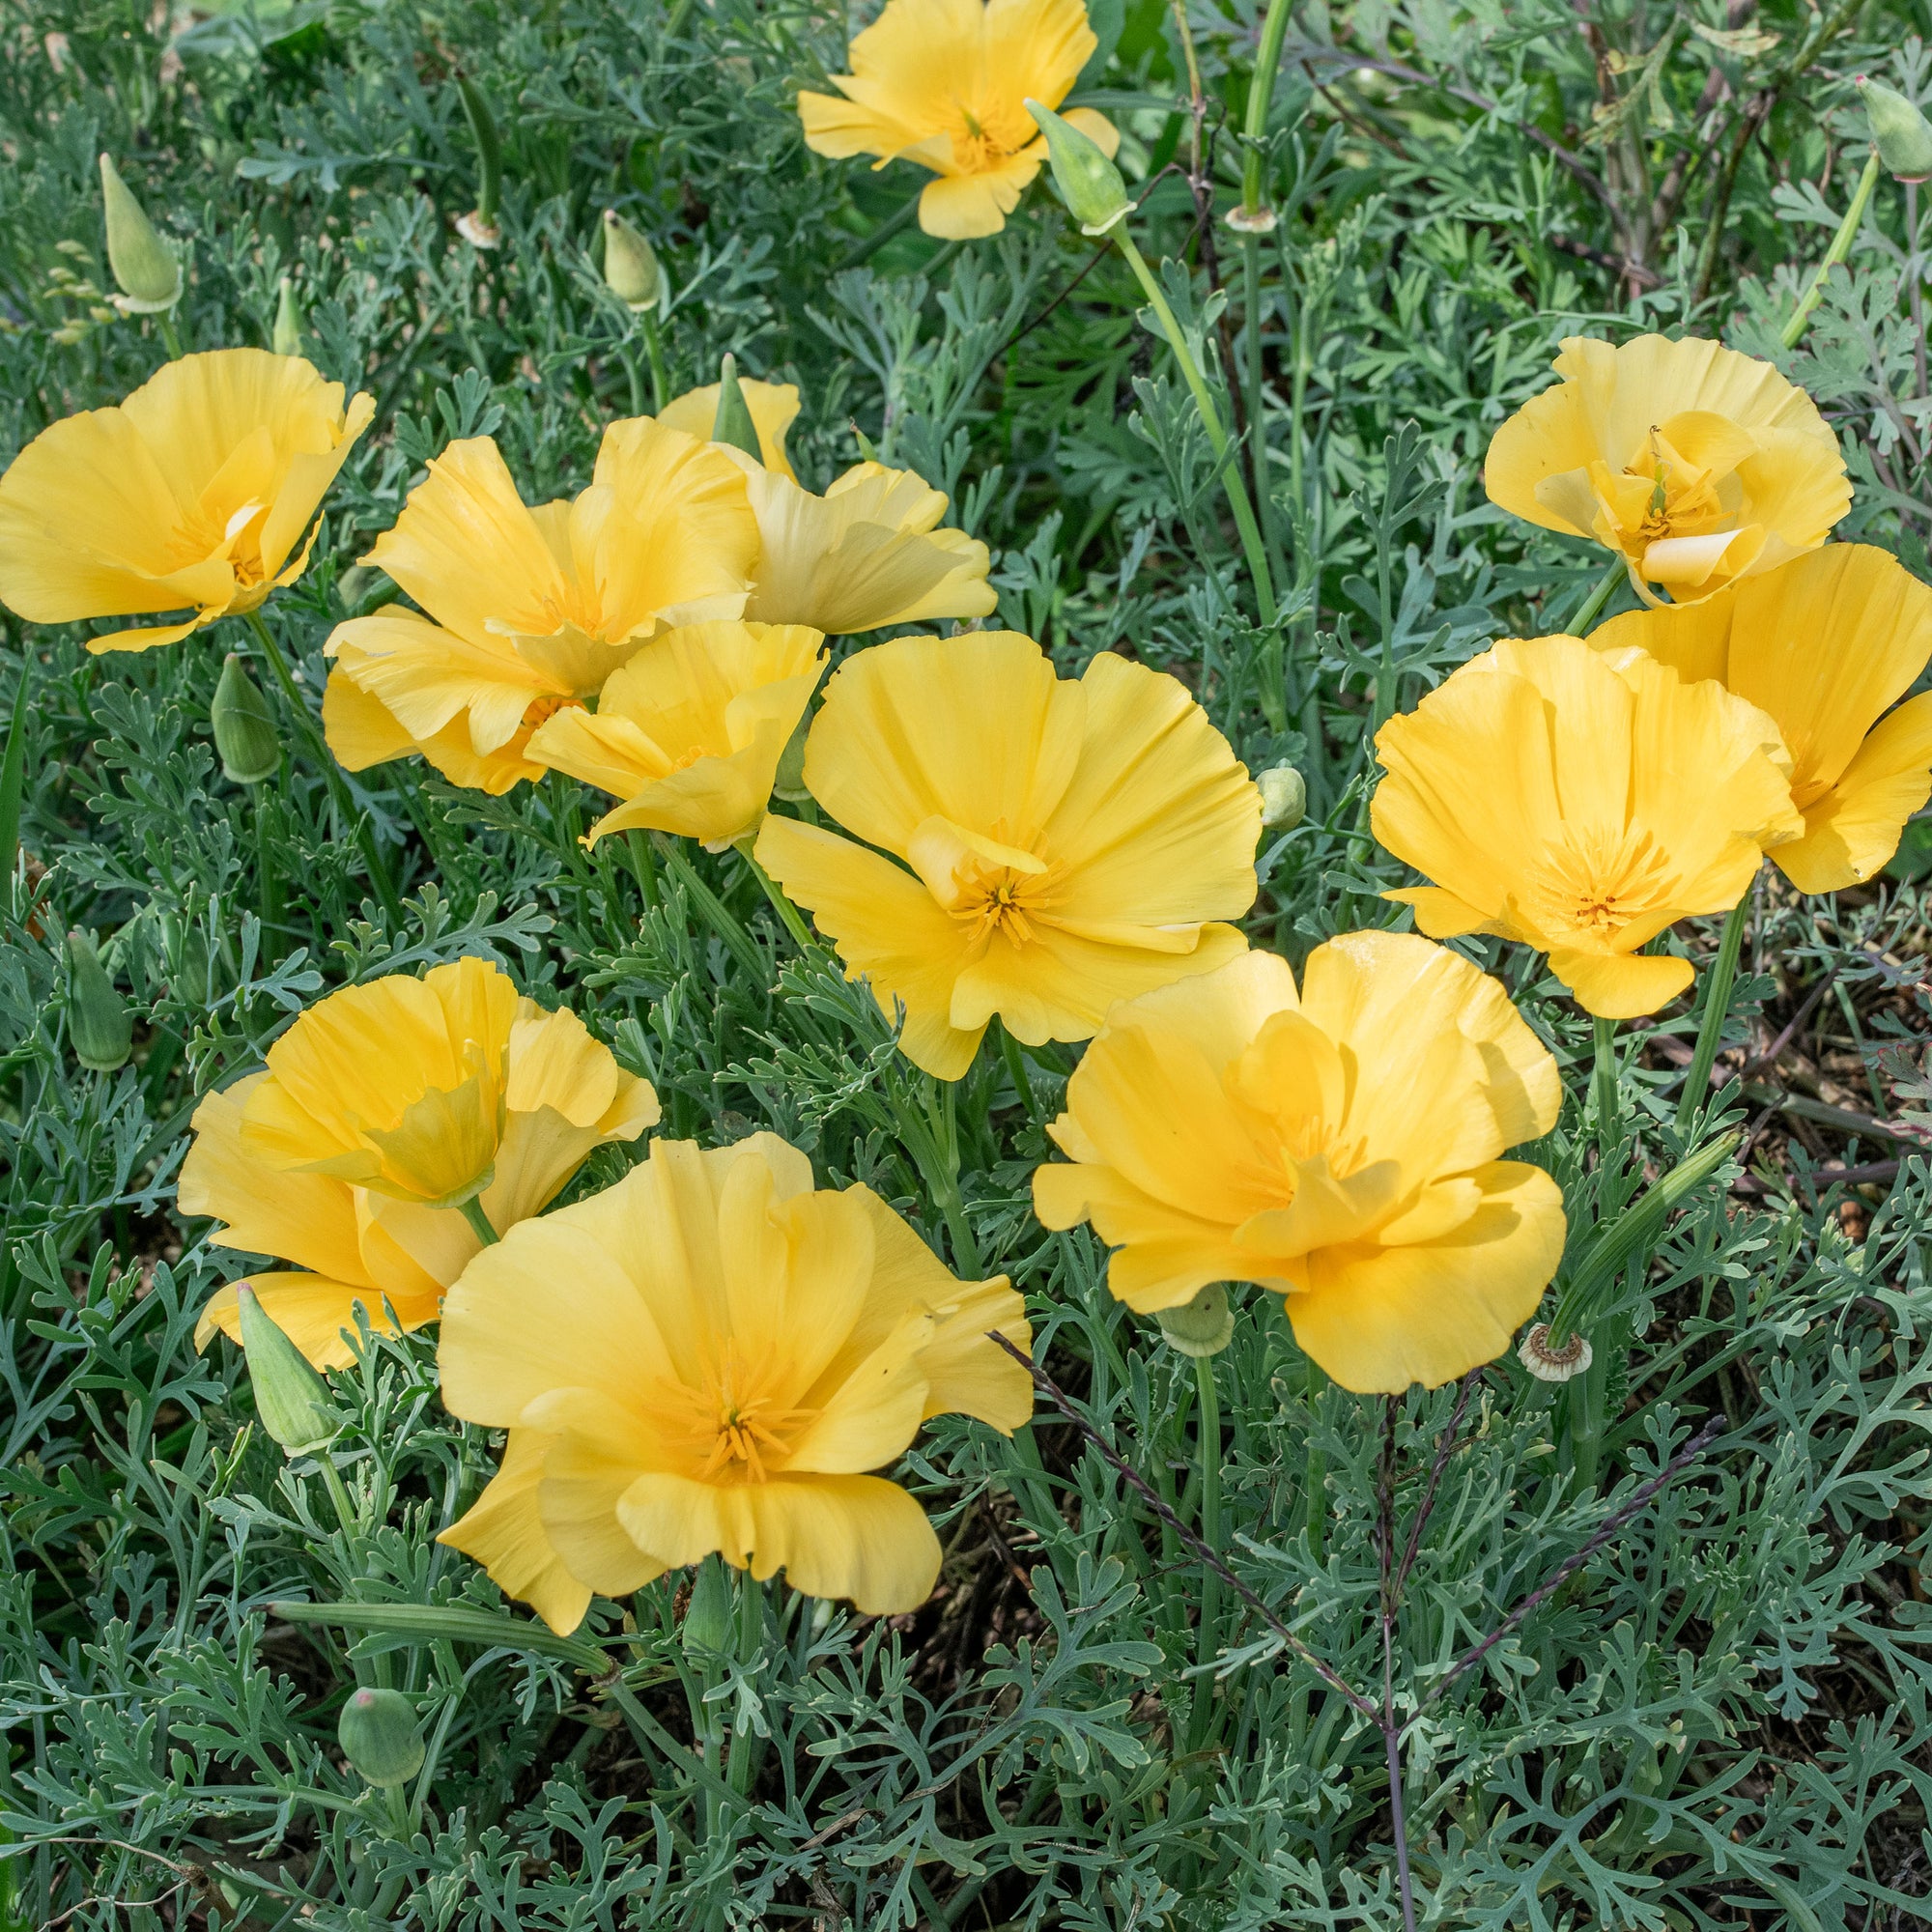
170, 335
654, 349
268, 880
1586, 612
1316, 1476
931, 1136
1696, 1094
794, 922
1261, 97
304, 719
644, 865
471, 1211
1841, 246
1210, 421
750, 1634
1207, 1446
1017, 1071
1603, 1086
864, 250
713, 910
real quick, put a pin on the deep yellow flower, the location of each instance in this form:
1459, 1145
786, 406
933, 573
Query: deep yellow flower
944, 83
1696, 465
1582, 802
709, 1356
1825, 646
689, 733
379, 1101
1064, 843
531, 610
1341, 1148
191, 495
773, 407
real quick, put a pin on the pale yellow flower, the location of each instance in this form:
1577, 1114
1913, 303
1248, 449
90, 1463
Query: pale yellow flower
1696, 465
1825, 647
530, 609
197, 493
1055, 843
689, 733
1582, 802
711, 1356
1341, 1147
944, 83
376, 1096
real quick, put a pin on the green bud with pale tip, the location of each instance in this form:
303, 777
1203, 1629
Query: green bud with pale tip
1203, 1327
379, 1737
733, 424
1088, 183
630, 267
707, 1617
1284, 798
100, 1028
245, 727
147, 270
291, 1398
1902, 136
288, 337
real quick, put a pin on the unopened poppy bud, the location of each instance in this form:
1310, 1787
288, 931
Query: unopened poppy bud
1088, 183
707, 1617
630, 267
479, 226
98, 1024
245, 727
1204, 1326
288, 337
1284, 797
291, 1400
733, 422
789, 784
148, 270
379, 1737
1553, 1362
1902, 136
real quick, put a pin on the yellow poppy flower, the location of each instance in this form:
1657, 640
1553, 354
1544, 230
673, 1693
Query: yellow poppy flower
531, 610
1582, 802
690, 733
191, 495
709, 1356
1824, 647
1340, 1148
1696, 465
773, 407
332, 1158
1061, 843
944, 83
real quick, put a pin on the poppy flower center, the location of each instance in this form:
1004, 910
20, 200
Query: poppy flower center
540, 710
734, 1422
1006, 904
1596, 883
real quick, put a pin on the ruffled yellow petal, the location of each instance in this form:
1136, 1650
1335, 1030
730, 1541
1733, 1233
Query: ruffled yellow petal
1854, 828
503, 1531
773, 406
964, 206
316, 1313
1621, 986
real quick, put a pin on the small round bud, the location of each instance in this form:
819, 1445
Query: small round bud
245, 727
288, 337
1088, 183
1902, 136
380, 1738
630, 267
147, 270
292, 1401
707, 1617
1553, 1362
98, 1024
1284, 797
1203, 1327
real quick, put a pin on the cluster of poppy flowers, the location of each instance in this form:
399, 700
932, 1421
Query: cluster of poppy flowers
715, 1354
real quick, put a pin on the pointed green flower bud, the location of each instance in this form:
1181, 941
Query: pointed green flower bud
98, 1024
1902, 136
733, 422
379, 1736
630, 267
479, 226
148, 270
291, 1398
1088, 183
707, 1617
789, 783
288, 337
1204, 1327
245, 727
1284, 797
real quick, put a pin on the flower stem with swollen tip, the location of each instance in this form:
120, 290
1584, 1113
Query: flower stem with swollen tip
471, 1211
1210, 421
1716, 1010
